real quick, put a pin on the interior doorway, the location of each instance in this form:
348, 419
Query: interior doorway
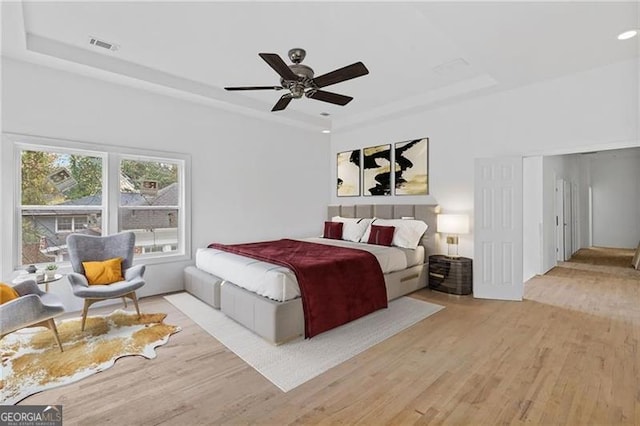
604, 197
596, 189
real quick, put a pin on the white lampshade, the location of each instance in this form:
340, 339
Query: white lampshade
453, 223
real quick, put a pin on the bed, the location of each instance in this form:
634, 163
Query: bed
268, 302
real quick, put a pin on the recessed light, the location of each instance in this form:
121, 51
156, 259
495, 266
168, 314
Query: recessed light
325, 114
326, 131
628, 34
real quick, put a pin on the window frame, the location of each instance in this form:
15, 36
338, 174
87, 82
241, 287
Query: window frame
112, 155
136, 208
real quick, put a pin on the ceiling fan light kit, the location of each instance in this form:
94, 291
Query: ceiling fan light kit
299, 79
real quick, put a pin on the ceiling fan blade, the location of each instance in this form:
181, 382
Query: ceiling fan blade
282, 103
333, 98
254, 88
279, 66
346, 73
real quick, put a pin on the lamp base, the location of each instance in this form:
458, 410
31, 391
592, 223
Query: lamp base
452, 242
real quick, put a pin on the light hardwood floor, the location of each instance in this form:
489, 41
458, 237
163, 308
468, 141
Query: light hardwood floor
568, 354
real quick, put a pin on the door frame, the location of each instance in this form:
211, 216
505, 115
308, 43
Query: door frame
559, 217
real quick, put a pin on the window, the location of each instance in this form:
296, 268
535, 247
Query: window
59, 190
67, 187
150, 206
64, 223
71, 223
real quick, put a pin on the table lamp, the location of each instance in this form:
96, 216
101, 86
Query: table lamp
453, 225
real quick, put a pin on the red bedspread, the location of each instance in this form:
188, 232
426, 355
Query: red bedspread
337, 284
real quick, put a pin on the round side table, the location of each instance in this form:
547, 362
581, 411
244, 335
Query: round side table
44, 281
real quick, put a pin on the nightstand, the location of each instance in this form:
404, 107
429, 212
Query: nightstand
450, 274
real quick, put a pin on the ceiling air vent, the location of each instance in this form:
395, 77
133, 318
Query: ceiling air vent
104, 44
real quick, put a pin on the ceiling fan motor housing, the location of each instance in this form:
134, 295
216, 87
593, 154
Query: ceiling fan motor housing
297, 87
303, 71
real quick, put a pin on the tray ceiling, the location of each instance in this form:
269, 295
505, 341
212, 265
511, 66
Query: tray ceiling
419, 54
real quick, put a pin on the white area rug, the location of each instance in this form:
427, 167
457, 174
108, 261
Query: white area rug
291, 364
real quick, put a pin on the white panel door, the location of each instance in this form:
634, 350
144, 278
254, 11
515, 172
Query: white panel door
497, 268
568, 219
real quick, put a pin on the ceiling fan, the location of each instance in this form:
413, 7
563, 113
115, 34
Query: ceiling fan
299, 80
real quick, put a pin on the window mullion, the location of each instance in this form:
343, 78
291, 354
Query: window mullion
112, 201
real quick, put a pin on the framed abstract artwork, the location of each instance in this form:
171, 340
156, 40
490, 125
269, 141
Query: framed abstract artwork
348, 170
411, 164
376, 165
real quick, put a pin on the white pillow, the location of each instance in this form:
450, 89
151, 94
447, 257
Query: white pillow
353, 228
407, 233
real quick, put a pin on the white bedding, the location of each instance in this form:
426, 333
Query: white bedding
280, 283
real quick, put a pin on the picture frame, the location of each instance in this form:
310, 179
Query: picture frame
376, 166
348, 172
411, 167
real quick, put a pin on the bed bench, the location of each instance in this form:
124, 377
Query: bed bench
203, 285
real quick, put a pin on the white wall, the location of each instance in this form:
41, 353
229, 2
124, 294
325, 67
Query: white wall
596, 107
251, 179
584, 182
532, 216
615, 179
254, 179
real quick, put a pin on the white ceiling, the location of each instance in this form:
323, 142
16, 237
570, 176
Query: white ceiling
195, 49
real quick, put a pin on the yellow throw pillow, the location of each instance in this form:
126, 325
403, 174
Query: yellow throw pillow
7, 293
106, 272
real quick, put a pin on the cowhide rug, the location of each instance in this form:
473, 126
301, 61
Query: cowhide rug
32, 361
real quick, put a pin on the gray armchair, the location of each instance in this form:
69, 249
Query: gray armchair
34, 308
88, 248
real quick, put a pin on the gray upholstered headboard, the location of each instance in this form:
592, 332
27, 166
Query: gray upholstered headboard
424, 212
